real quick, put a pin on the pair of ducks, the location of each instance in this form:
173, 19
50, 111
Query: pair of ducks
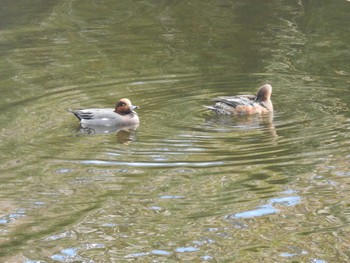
124, 114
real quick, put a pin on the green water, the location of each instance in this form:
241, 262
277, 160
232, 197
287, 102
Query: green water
187, 186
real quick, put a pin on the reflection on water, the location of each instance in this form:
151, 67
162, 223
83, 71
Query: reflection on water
125, 134
267, 208
244, 122
186, 184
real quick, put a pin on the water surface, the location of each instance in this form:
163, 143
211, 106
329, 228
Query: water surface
186, 186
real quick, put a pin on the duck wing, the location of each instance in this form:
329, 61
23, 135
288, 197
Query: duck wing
243, 100
89, 114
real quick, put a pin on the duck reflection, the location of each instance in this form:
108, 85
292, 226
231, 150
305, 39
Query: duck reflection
249, 121
125, 134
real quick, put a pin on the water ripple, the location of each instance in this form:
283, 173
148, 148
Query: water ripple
150, 164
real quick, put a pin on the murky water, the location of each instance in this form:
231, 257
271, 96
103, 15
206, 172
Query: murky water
186, 186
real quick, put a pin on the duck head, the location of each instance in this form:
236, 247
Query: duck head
124, 107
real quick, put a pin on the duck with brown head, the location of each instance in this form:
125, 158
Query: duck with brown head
123, 114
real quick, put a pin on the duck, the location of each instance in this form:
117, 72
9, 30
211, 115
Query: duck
245, 104
122, 115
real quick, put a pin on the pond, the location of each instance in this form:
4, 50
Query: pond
186, 185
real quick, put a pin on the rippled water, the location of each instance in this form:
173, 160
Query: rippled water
187, 185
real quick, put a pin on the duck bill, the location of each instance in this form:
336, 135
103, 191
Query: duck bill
134, 108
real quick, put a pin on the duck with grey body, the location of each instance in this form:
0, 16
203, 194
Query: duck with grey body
123, 114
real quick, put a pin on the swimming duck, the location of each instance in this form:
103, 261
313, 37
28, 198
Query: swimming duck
122, 115
245, 104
